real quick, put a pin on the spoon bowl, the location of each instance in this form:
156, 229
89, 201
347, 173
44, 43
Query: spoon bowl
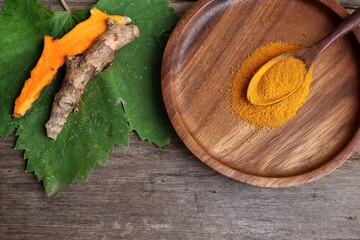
259, 99
307, 55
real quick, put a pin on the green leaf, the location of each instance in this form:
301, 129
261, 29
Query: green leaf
140, 93
125, 97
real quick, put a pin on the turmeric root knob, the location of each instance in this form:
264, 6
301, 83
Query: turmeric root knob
80, 69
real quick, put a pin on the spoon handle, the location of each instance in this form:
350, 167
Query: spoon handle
349, 24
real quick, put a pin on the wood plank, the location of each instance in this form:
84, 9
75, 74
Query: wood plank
352, 4
180, 6
150, 193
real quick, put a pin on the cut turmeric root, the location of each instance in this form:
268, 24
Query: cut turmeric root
54, 54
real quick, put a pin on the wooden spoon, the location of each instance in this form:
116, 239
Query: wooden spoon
308, 55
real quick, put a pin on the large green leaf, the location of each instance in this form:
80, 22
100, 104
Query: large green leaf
124, 97
140, 93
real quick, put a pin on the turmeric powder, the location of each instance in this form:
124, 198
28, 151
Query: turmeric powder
277, 82
271, 86
54, 54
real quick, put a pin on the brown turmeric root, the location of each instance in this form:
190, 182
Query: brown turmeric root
80, 69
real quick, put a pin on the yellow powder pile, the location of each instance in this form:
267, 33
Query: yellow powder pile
282, 78
272, 85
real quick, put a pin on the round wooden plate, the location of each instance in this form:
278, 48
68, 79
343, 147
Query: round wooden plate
206, 48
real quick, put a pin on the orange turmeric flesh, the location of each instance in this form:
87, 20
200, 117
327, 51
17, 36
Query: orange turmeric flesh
54, 54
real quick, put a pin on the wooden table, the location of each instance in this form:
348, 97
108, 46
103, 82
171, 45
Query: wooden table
150, 193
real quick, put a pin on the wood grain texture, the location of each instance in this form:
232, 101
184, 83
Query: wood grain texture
212, 41
150, 193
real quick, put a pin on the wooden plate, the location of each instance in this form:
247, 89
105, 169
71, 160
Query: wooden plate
207, 47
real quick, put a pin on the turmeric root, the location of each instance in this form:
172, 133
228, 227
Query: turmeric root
54, 53
80, 69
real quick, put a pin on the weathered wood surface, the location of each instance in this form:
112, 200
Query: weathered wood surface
150, 193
